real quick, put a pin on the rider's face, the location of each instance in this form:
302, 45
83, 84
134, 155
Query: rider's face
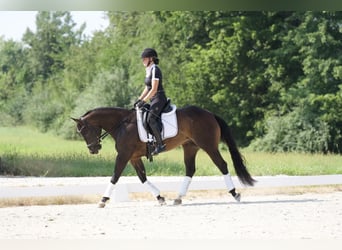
146, 61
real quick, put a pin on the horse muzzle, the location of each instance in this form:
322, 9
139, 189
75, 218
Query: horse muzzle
94, 149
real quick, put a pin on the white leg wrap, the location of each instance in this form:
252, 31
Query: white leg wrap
229, 182
185, 186
153, 189
109, 190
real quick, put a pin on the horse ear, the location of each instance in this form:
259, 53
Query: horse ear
76, 120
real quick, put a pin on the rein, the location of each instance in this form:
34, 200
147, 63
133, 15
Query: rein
99, 139
104, 135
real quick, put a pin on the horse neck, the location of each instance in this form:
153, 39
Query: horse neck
108, 118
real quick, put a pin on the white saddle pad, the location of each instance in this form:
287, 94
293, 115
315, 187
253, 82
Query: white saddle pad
169, 121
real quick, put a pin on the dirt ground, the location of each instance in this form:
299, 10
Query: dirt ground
308, 215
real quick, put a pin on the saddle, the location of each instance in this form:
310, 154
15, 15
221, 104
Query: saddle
168, 125
146, 110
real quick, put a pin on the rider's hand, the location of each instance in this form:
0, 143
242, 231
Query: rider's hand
136, 103
141, 104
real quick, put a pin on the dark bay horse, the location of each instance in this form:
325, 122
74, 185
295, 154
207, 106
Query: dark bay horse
197, 129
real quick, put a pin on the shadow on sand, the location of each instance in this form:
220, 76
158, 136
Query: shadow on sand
252, 202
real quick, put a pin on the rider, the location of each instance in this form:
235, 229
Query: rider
154, 92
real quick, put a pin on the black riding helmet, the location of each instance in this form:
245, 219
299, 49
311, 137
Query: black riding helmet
149, 52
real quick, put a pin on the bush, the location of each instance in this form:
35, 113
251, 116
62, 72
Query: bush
109, 89
8, 164
6, 120
294, 132
41, 112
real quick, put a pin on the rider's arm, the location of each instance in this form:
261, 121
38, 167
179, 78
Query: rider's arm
144, 93
153, 91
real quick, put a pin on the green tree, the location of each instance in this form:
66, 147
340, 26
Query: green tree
13, 78
48, 50
275, 77
305, 80
222, 71
50, 44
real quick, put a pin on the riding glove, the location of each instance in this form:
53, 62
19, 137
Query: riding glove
139, 104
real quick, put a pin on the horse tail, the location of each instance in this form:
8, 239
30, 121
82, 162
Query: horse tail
237, 158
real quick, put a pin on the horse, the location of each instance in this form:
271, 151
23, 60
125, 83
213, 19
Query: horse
198, 128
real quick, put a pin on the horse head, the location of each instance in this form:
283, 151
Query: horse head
90, 133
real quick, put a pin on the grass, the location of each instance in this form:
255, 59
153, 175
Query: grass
293, 163
25, 151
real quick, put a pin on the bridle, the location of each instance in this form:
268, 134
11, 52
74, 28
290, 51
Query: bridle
98, 140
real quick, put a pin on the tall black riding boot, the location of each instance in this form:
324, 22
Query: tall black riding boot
160, 147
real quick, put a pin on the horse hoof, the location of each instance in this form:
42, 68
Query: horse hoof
101, 204
237, 197
177, 202
161, 200
103, 201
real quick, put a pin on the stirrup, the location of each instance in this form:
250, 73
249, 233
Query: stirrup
158, 149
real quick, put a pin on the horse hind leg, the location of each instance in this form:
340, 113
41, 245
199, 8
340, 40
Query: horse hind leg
190, 151
217, 158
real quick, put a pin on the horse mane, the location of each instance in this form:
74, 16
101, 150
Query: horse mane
89, 111
104, 109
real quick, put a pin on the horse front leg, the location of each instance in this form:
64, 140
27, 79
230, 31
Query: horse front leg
140, 169
120, 164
